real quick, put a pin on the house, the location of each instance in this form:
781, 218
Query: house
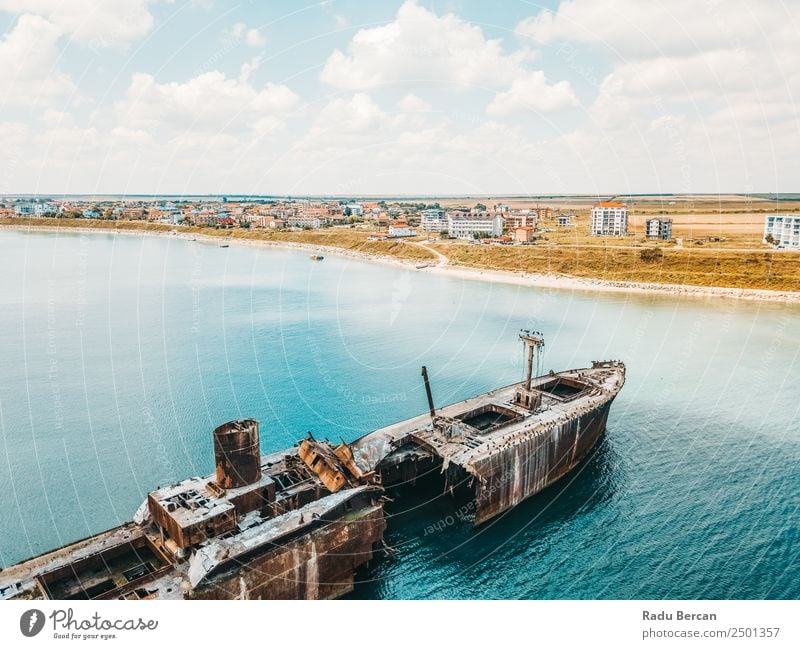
658, 228
401, 229
564, 221
523, 234
609, 218
269, 222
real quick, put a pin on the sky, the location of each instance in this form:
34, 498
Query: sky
393, 97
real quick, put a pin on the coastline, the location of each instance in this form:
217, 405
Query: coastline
566, 283
517, 278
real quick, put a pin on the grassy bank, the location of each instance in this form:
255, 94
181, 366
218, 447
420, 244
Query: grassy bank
346, 239
777, 271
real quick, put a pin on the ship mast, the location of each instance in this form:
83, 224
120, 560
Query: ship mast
533, 342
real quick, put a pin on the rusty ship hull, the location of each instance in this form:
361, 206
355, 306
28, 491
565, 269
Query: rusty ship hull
299, 523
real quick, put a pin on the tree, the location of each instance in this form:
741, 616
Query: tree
651, 255
347, 211
770, 239
480, 207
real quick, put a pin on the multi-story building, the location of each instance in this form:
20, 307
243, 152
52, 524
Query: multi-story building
356, 209
783, 230
35, 209
301, 221
564, 221
129, 213
521, 219
464, 225
433, 220
658, 228
542, 212
610, 219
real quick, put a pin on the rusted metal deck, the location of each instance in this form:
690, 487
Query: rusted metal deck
300, 522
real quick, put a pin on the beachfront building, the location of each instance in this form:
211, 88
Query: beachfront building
465, 225
658, 228
303, 221
782, 230
433, 220
401, 229
610, 219
35, 208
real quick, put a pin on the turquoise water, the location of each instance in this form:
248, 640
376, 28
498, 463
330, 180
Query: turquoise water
120, 354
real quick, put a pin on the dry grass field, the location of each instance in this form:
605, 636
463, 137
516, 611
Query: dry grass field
779, 271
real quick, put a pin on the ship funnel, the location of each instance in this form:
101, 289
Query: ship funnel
237, 453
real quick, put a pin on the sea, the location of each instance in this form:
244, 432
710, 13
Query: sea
120, 353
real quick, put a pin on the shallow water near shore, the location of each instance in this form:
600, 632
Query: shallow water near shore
121, 353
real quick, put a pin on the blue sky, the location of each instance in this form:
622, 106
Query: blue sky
398, 97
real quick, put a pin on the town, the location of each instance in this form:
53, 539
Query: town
380, 219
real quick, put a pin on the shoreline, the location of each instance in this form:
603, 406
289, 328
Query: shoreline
517, 278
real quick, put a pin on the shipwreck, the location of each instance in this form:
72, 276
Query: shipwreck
299, 523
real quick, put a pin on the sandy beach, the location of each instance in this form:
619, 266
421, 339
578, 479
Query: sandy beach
553, 282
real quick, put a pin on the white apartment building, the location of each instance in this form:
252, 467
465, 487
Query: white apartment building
784, 228
658, 229
356, 209
610, 219
462, 225
433, 220
402, 230
301, 221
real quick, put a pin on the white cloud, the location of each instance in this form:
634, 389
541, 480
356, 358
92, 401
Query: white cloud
419, 46
29, 74
413, 104
210, 102
698, 97
636, 29
255, 38
249, 35
531, 92
93, 22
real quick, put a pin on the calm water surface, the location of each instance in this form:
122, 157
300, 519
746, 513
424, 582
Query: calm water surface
121, 353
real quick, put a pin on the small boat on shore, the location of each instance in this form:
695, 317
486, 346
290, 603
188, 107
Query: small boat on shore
316, 257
